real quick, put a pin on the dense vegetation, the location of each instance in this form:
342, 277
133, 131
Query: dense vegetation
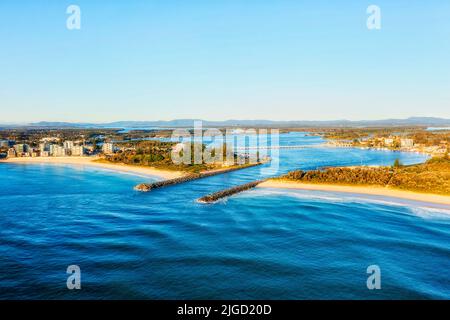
148, 153
140, 134
156, 154
430, 177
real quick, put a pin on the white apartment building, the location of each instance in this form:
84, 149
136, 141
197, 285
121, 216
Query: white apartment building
57, 151
44, 147
68, 145
108, 148
77, 151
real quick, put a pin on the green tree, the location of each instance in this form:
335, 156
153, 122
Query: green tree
397, 163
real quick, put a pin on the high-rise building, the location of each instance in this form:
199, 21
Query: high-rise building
21, 148
77, 151
108, 148
68, 145
44, 147
57, 151
51, 149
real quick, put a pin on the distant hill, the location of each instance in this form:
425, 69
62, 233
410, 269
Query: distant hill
413, 121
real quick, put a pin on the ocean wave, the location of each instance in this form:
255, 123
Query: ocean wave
414, 207
322, 195
431, 213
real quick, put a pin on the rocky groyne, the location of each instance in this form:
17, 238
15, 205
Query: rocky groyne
146, 187
213, 197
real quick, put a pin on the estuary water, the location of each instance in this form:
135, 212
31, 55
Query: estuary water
260, 244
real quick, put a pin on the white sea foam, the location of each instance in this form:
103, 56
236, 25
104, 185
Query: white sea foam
414, 207
431, 213
320, 195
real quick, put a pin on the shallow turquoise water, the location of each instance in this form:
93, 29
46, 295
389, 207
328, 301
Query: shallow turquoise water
261, 244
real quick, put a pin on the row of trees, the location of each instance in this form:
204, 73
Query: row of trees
142, 153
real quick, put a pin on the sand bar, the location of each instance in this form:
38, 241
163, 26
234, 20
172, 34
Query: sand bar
377, 191
89, 161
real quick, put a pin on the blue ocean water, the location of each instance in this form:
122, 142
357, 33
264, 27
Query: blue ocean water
260, 244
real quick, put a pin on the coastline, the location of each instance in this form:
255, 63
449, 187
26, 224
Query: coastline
90, 161
331, 145
376, 191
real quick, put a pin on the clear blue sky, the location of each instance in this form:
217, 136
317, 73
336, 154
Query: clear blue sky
223, 59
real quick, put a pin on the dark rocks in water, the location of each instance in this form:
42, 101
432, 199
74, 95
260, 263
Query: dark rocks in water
213, 197
146, 187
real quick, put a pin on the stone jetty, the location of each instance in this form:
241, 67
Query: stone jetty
146, 187
213, 197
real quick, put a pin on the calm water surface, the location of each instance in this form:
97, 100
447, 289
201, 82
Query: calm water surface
261, 244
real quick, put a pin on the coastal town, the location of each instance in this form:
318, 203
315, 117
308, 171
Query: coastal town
52, 147
32, 143
433, 144
45, 143
141, 148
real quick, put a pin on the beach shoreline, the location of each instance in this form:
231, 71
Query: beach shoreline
90, 161
365, 190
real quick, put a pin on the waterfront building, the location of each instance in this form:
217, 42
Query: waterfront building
12, 153
77, 151
57, 151
44, 147
51, 149
108, 148
68, 145
407, 143
21, 148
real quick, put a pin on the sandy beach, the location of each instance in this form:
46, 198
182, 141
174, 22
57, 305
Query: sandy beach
378, 191
90, 161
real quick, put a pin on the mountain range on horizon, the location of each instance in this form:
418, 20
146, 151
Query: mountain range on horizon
178, 123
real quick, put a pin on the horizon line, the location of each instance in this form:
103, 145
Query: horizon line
225, 120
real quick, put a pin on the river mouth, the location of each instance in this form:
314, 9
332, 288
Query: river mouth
165, 245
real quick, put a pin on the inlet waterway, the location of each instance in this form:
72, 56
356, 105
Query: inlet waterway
260, 244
